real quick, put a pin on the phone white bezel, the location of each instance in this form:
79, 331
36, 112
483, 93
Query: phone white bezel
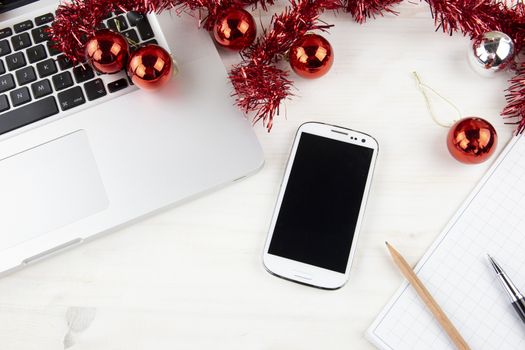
305, 273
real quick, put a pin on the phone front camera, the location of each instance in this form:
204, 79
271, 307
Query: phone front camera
363, 140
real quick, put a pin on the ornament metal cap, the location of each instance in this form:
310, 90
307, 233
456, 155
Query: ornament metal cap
490, 53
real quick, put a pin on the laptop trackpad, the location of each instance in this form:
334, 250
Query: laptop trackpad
47, 187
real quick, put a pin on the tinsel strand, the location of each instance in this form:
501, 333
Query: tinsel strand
515, 108
470, 17
260, 86
363, 9
296, 20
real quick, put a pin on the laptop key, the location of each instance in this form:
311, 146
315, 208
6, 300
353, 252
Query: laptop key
4, 103
41, 88
28, 114
20, 96
62, 80
36, 53
51, 47
20, 41
132, 37
46, 67
5, 32
6, 82
4, 48
71, 98
140, 21
145, 30
25, 75
45, 18
15, 61
95, 89
40, 34
23, 26
64, 62
117, 24
2, 67
117, 85
83, 73
134, 18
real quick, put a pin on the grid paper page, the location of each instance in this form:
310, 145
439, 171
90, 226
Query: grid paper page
457, 272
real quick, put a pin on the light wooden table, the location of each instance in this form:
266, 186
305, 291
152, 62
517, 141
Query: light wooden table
192, 277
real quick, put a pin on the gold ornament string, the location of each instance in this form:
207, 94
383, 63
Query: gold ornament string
422, 86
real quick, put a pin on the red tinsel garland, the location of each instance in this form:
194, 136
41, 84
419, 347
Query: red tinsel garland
260, 87
363, 9
75, 22
466, 16
515, 108
474, 18
469, 17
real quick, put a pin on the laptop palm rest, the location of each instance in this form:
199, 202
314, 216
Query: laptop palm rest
48, 187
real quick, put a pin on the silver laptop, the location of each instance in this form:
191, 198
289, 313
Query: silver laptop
81, 153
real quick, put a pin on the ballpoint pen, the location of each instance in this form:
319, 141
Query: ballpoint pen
517, 299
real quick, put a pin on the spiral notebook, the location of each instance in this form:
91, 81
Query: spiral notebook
456, 270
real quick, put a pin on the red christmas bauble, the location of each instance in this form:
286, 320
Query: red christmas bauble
235, 29
311, 56
472, 140
107, 51
150, 67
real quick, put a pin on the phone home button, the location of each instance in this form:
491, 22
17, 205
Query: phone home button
302, 275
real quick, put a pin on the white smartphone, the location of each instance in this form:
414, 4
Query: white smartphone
316, 221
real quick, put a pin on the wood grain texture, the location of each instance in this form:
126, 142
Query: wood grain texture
192, 277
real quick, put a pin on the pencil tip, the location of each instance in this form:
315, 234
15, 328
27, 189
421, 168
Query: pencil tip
386, 243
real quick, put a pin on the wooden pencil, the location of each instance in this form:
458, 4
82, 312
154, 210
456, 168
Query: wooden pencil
427, 298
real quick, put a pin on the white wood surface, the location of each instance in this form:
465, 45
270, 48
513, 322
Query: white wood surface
192, 277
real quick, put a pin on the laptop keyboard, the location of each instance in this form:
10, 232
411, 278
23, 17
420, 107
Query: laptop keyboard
37, 81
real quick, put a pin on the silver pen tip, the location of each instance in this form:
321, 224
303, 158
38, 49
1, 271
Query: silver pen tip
495, 265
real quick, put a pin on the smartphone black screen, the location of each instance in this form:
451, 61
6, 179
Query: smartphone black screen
321, 202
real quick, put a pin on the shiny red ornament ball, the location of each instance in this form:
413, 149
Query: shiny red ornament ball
235, 29
107, 51
472, 140
311, 56
150, 67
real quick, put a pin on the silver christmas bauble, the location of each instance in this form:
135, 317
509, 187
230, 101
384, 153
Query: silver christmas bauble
491, 52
